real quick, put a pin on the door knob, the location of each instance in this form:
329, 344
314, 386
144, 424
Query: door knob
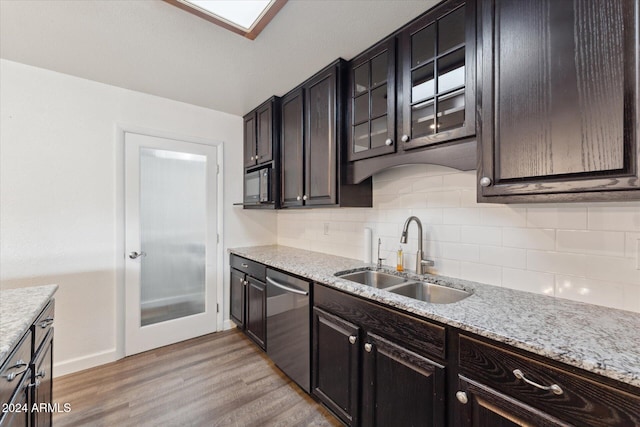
405, 138
462, 397
388, 142
353, 339
134, 254
485, 181
368, 347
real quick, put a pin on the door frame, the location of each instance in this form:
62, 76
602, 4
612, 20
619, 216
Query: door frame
121, 129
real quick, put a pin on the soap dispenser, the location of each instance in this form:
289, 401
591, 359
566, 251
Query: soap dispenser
400, 263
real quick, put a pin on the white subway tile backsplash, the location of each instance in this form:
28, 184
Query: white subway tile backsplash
609, 243
529, 238
461, 216
557, 262
563, 217
618, 218
529, 281
535, 247
504, 217
489, 274
500, 255
460, 252
481, 235
599, 292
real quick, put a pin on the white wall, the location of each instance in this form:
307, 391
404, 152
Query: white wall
584, 252
58, 215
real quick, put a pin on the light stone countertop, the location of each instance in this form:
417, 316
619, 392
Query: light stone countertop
19, 308
598, 339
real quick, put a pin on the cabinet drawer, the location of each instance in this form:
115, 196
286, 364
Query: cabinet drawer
424, 337
252, 268
14, 368
42, 325
576, 399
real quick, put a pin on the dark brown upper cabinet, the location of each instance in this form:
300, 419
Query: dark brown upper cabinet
312, 140
559, 103
371, 102
261, 133
436, 100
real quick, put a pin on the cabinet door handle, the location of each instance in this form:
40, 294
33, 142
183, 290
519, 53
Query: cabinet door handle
405, 138
462, 397
46, 322
19, 364
41, 374
485, 181
353, 339
388, 142
244, 265
298, 198
368, 347
555, 388
252, 158
304, 197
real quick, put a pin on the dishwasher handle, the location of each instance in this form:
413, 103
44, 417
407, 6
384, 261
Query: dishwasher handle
286, 288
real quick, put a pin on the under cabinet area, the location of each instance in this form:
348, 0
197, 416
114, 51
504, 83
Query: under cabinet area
559, 108
370, 366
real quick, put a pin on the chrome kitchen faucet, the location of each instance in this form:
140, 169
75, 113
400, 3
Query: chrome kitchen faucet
420, 261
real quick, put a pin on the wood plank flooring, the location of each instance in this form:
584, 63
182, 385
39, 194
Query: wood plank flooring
221, 379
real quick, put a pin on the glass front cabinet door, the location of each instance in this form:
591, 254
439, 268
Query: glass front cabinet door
437, 101
372, 102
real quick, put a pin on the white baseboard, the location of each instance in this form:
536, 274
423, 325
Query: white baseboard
85, 362
228, 324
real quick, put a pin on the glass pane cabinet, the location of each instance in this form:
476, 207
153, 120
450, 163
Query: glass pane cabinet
372, 102
438, 79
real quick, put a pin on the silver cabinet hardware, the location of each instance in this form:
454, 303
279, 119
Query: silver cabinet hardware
36, 384
135, 254
298, 198
368, 347
245, 282
405, 138
252, 158
485, 181
304, 197
353, 339
388, 142
462, 397
19, 364
286, 288
46, 322
257, 157
555, 388
41, 374
244, 265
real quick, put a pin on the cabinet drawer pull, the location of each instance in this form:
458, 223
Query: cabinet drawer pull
555, 388
36, 384
368, 347
46, 322
19, 364
244, 265
353, 339
462, 397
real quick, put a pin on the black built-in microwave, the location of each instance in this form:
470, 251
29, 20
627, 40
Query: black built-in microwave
257, 187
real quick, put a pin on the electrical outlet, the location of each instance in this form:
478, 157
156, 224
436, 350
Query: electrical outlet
326, 228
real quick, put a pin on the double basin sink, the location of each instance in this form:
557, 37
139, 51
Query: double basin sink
422, 291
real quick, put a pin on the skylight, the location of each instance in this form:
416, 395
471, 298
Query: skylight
245, 17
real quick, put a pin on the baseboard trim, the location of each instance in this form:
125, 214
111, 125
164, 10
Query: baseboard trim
228, 324
85, 362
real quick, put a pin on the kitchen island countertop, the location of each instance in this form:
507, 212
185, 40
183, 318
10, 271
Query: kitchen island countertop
598, 339
19, 308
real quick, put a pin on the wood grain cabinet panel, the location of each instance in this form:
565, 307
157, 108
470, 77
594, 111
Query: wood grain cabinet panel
559, 102
256, 326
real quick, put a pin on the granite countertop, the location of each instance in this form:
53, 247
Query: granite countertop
19, 308
598, 339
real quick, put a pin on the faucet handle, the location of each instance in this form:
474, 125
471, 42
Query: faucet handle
428, 263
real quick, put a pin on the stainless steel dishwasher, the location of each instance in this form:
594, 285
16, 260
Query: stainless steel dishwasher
288, 327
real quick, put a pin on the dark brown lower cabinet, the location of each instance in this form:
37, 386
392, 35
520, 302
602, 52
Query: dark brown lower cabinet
238, 291
400, 387
256, 311
43, 383
336, 354
486, 407
18, 414
365, 378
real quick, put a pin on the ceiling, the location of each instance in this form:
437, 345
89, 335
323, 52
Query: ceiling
153, 47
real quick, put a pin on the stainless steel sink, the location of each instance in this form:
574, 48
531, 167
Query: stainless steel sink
376, 279
430, 292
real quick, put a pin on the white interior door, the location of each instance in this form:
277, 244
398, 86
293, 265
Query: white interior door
170, 241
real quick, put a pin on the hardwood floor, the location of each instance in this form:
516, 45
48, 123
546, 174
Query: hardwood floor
221, 379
